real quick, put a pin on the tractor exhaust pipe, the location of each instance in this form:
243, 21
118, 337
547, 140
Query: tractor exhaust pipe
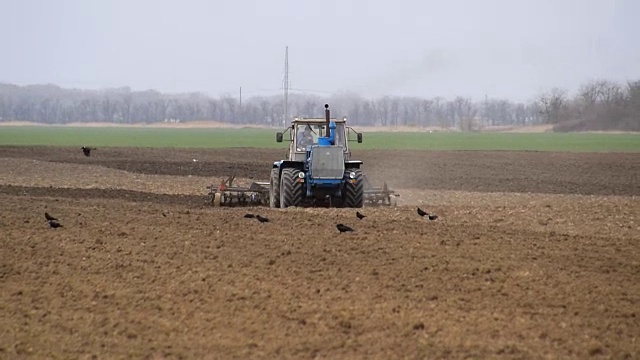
327, 116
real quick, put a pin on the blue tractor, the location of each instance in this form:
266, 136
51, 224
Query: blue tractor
318, 170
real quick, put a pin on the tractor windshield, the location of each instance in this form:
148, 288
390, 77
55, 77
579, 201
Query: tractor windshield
307, 134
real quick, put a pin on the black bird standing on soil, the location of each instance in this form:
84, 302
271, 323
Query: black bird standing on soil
249, 216
262, 219
49, 217
433, 217
343, 228
422, 212
360, 216
53, 224
87, 150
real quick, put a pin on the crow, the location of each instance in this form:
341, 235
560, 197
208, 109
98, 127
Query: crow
49, 217
54, 224
249, 216
430, 216
360, 216
343, 228
262, 219
87, 150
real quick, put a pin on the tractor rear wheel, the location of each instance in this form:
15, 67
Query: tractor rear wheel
354, 189
274, 189
291, 191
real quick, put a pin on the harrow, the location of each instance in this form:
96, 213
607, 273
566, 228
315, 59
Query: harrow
379, 196
225, 194
257, 194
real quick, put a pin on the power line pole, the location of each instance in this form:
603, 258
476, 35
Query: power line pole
239, 117
286, 87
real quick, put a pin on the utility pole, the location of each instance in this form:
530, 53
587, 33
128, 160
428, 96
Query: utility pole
239, 117
286, 87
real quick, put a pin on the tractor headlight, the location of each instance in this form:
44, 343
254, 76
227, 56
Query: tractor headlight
352, 175
301, 175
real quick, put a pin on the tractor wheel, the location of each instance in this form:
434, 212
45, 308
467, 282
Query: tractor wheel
393, 201
291, 191
274, 189
217, 198
354, 193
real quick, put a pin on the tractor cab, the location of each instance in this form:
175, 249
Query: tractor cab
304, 132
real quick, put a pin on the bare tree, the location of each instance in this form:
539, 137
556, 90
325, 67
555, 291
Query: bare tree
465, 112
552, 102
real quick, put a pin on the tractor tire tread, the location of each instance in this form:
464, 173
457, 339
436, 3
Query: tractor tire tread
292, 191
275, 187
354, 194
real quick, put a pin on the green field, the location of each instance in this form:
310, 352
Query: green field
259, 138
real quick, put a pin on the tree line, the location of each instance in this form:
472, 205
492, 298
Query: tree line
597, 105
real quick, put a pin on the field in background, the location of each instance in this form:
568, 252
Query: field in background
265, 138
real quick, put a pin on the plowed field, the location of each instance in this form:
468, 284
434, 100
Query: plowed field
533, 255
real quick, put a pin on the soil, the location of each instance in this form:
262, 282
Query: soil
533, 255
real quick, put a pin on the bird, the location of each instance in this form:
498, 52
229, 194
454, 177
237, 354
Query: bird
343, 228
422, 212
360, 216
87, 150
433, 217
49, 217
53, 224
249, 216
262, 219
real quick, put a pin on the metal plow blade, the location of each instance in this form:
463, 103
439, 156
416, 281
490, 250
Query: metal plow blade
379, 196
225, 194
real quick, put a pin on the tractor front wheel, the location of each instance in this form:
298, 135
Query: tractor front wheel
291, 189
353, 189
274, 189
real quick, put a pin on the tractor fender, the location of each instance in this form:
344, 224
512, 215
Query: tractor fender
285, 164
351, 164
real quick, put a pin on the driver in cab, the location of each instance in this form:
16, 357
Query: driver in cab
305, 138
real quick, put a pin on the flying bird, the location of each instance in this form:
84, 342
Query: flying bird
53, 224
422, 212
360, 216
249, 216
262, 219
87, 150
343, 228
49, 217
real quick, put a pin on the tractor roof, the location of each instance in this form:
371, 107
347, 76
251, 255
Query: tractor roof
316, 120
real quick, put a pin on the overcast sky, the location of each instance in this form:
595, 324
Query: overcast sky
509, 48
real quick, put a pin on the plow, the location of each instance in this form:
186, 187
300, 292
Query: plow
318, 172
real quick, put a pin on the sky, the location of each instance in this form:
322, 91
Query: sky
501, 49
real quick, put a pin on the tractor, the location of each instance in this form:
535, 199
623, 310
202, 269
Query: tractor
318, 170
